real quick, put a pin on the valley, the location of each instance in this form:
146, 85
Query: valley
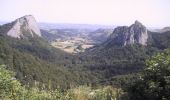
76, 40
84, 50
86, 60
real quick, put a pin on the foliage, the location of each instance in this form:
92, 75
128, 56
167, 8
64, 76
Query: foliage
160, 41
105, 93
9, 86
11, 89
154, 82
33, 59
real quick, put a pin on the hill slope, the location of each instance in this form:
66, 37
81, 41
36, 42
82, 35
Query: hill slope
35, 60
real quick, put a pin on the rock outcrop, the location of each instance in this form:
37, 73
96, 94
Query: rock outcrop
22, 27
124, 35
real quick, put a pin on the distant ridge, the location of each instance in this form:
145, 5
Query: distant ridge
73, 26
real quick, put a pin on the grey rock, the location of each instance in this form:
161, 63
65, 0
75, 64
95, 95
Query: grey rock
24, 26
124, 35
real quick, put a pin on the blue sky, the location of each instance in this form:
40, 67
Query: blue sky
152, 13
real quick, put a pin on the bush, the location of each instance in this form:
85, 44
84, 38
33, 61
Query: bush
154, 82
9, 86
11, 89
86, 93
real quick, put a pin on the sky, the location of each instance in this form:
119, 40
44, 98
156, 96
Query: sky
152, 13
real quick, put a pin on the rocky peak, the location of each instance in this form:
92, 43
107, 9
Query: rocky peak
124, 35
138, 23
24, 26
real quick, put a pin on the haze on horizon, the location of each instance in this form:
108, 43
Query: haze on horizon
152, 13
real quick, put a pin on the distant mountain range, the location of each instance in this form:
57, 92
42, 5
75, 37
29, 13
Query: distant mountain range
48, 26
2, 22
165, 29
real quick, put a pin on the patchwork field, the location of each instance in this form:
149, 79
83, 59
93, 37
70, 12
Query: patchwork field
72, 45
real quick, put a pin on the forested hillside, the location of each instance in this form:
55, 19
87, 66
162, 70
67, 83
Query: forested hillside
118, 61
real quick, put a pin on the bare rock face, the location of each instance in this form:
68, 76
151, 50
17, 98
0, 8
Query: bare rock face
124, 35
24, 26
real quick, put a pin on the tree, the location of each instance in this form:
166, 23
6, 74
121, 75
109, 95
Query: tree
9, 86
154, 81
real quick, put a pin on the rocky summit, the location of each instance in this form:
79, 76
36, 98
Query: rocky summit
22, 27
124, 35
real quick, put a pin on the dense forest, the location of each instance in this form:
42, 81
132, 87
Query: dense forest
33, 59
150, 84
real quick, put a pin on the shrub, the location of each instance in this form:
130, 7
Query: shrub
154, 82
9, 86
11, 89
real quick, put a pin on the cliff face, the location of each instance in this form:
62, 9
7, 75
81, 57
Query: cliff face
124, 35
24, 26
